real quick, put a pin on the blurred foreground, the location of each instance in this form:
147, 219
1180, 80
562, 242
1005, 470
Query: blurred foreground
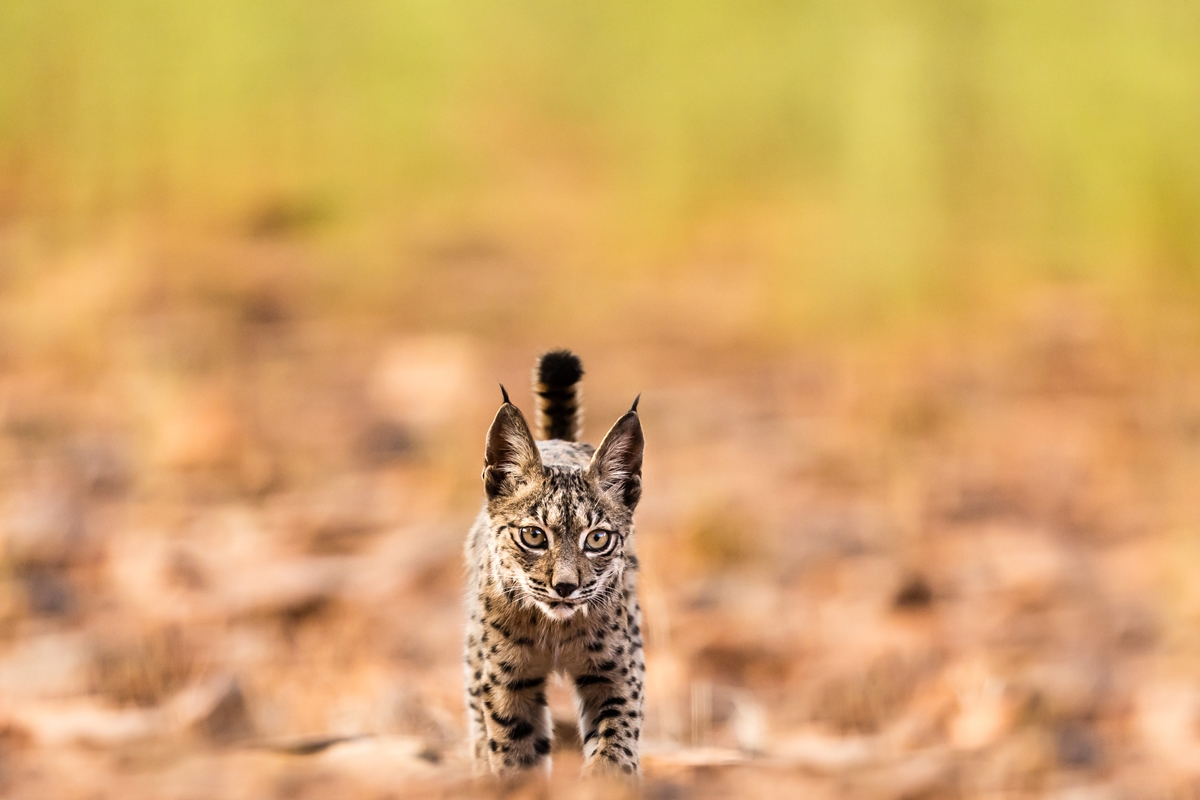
951, 562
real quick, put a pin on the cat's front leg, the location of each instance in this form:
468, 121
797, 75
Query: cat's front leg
516, 717
610, 698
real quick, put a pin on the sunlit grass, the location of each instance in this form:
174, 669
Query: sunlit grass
847, 155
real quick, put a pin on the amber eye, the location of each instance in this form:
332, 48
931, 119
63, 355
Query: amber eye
533, 538
597, 541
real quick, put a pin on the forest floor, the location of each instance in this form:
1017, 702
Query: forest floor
954, 562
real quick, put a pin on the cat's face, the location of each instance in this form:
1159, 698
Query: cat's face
562, 543
559, 533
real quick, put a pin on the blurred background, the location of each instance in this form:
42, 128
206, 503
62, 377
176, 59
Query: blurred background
910, 291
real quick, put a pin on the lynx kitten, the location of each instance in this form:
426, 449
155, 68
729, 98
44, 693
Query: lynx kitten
552, 583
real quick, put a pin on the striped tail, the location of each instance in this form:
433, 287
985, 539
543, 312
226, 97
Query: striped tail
556, 383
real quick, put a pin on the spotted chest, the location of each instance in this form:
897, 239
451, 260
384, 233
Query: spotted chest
513, 650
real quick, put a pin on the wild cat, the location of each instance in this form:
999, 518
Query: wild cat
551, 585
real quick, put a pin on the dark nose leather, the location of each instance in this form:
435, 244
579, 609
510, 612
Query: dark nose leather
565, 589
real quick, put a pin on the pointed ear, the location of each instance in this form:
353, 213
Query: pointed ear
617, 464
510, 458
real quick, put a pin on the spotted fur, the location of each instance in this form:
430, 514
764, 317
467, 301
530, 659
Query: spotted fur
562, 605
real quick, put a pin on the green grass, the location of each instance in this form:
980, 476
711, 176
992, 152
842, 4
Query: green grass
891, 148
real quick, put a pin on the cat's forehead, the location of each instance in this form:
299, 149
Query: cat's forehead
567, 454
566, 498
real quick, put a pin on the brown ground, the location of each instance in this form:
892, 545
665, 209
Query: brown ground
959, 561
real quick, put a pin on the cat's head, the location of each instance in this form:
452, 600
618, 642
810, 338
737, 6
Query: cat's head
559, 532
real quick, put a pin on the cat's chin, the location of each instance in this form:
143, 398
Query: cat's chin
559, 611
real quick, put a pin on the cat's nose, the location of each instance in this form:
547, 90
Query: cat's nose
564, 589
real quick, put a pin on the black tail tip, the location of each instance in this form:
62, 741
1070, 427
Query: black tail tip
559, 369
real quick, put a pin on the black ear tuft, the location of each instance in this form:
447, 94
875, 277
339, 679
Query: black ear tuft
633, 408
617, 463
504, 393
511, 458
